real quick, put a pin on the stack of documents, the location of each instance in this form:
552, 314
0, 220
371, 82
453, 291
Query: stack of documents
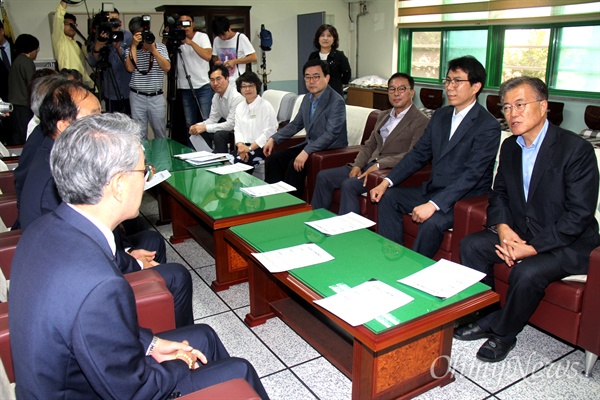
203, 157
365, 302
267, 190
443, 279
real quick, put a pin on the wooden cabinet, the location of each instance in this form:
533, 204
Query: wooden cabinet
371, 98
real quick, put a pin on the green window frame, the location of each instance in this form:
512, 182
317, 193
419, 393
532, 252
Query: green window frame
494, 54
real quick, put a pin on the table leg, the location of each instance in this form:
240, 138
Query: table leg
231, 267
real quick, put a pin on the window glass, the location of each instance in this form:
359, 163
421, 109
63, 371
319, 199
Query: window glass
426, 54
525, 53
578, 59
463, 43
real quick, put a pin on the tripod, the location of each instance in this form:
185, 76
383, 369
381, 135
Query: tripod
176, 57
103, 67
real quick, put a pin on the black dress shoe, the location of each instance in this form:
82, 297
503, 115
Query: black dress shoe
471, 331
494, 349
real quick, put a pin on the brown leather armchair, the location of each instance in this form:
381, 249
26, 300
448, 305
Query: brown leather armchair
335, 157
7, 182
569, 310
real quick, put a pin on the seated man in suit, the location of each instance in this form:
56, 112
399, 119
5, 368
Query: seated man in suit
75, 310
323, 115
395, 133
461, 142
540, 215
67, 101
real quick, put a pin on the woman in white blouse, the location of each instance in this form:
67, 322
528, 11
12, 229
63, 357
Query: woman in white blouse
255, 121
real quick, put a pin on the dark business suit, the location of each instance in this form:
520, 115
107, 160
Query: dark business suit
73, 323
399, 142
557, 220
5, 123
325, 130
461, 167
40, 196
34, 141
339, 69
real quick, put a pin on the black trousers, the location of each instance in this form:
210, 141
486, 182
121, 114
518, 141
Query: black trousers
280, 167
527, 281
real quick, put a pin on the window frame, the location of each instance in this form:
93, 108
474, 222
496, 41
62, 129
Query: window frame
494, 53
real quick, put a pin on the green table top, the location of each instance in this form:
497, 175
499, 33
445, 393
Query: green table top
359, 256
159, 152
219, 196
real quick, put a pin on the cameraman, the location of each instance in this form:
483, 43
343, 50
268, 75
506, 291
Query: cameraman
116, 100
147, 61
196, 53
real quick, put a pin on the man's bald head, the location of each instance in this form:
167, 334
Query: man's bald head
65, 102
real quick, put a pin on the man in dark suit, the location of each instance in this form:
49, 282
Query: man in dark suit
540, 216
461, 142
7, 55
73, 321
323, 115
396, 132
67, 101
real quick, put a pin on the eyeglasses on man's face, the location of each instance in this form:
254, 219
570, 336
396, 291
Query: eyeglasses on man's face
314, 78
397, 89
454, 82
519, 107
149, 171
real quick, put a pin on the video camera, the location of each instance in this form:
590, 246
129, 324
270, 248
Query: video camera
147, 36
174, 29
103, 28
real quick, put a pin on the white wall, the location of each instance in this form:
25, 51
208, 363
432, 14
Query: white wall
279, 16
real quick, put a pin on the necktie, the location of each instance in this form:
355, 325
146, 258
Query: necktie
4, 57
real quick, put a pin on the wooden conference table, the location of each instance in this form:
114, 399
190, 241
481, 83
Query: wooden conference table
203, 205
399, 355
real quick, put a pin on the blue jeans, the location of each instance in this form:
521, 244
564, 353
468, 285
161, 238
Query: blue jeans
190, 108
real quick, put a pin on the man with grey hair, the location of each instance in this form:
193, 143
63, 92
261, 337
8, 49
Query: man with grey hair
66, 102
540, 216
86, 327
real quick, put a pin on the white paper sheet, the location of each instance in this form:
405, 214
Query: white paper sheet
268, 190
157, 178
199, 143
230, 169
443, 279
365, 302
341, 224
293, 257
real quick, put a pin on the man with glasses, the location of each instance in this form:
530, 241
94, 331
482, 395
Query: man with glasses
75, 310
323, 115
461, 142
66, 102
540, 216
66, 49
224, 103
396, 132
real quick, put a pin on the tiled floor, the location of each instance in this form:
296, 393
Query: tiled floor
540, 367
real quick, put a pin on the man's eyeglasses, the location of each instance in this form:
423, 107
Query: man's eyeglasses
507, 109
218, 79
454, 82
399, 89
314, 78
149, 171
